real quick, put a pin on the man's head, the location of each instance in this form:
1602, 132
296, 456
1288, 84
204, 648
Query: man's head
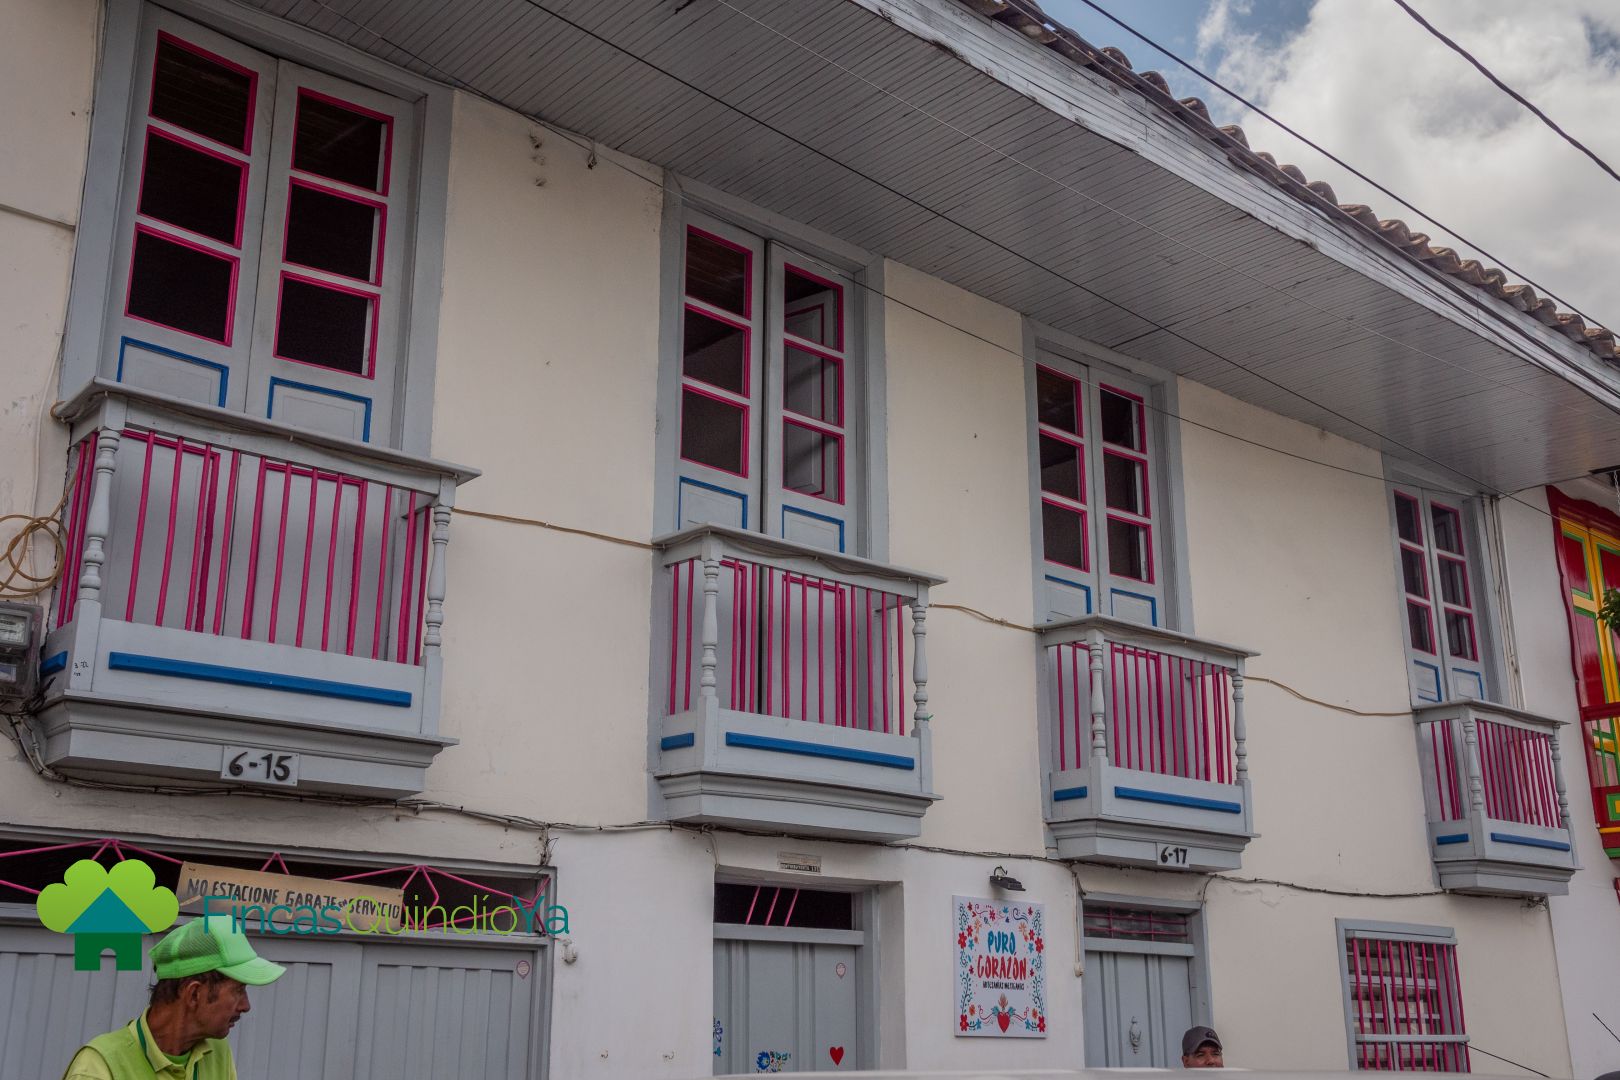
203, 971
1201, 1049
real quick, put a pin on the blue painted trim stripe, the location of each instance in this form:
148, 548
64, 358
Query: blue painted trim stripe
1152, 602
680, 514
1529, 841
677, 742
1452, 838
268, 680
52, 664
786, 510
1168, 799
270, 407
1069, 793
810, 749
224, 372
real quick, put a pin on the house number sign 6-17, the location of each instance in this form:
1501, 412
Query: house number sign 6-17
256, 766
1172, 857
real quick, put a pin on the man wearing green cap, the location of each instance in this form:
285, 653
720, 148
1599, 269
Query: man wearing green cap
203, 971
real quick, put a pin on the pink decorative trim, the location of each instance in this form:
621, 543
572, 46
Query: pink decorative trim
228, 545
743, 407
356, 566
420, 621
371, 343
820, 353
230, 308
1076, 399
402, 633
735, 323
1085, 536
382, 569
388, 131
838, 299
379, 242
140, 534
828, 433
748, 268
253, 85
241, 183
309, 551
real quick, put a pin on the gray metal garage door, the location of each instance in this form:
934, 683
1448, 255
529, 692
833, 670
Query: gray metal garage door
346, 1008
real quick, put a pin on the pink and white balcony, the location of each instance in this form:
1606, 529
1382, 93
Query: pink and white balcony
244, 602
791, 687
1147, 760
1493, 784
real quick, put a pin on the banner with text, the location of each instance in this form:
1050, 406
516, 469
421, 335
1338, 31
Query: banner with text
282, 898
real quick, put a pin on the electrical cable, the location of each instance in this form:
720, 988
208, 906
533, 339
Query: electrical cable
1157, 326
1505, 88
1345, 165
453, 80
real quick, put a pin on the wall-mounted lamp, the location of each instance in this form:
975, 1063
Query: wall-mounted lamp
1000, 879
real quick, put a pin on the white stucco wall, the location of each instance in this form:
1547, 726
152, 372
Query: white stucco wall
1586, 923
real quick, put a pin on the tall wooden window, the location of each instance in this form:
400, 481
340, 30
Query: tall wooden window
261, 251
769, 390
1100, 523
1440, 579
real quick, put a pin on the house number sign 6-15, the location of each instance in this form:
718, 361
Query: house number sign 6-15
256, 766
1172, 857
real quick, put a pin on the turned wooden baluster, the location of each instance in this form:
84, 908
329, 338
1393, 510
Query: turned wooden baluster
98, 524
436, 575
711, 623
1099, 725
919, 661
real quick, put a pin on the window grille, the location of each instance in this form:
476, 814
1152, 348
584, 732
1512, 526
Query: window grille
1405, 1003
1107, 922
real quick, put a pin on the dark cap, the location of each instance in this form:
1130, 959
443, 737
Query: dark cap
1196, 1037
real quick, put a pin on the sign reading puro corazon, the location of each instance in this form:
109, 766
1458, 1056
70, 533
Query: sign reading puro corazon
1000, 968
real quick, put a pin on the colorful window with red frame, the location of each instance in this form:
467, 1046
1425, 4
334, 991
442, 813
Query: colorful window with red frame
1406, 1008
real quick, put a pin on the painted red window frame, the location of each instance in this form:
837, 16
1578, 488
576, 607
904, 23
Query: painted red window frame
1141, 457
832, 433
748, 274
388, 137
837, 361
1141, 420
1426, 601
1085, 535
1076, 388
838, 304
230, 309
379, 245
1461, 556
690, 306
253, 89
702, 388
154, 132
371, 344
1079, 448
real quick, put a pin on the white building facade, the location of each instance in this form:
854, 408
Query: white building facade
757, 475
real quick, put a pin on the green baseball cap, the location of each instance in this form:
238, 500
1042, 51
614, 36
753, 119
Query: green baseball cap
212, 944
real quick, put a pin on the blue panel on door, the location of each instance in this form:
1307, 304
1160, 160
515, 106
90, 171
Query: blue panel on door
1083, 590
706, 497
819, 525
1468, 684
1431, 673
338, 422
150, 366
1130, 610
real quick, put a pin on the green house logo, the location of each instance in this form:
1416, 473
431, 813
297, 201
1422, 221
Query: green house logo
107, 910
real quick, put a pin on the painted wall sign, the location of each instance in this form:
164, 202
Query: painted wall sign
797, 860
1000, 968
280, 899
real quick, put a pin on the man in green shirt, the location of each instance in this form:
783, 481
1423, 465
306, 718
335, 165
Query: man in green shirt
203, 971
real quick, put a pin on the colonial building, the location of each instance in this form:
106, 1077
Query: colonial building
922, 550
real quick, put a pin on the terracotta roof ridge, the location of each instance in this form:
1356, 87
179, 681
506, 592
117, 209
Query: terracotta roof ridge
1113, 64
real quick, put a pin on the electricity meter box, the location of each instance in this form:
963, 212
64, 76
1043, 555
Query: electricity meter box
19, 651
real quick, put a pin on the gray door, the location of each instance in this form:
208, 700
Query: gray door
1137, 1005
343, 1010
784, 1007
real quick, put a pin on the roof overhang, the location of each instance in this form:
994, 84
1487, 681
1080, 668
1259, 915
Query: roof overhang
928, 134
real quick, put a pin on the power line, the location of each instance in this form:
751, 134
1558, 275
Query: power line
453, 80
1506, 89
1343, 164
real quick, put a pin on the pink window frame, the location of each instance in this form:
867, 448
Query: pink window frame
748, 273
1143, 458
1141, 461
1077, 399
1400, 497
371, 344
708, 312
838, 293
1079, 448
388, 137
700, 388
253, 88
1141, 420
241, 184
230, 310
379, 245
1147, 528
825, 432
1085, 535
823, 354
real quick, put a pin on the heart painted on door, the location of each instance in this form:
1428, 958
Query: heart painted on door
836, 1053
1003, 1019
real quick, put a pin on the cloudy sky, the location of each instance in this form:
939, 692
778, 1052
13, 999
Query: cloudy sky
1363, 80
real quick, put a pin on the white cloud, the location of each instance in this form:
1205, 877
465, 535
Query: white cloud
1365, 81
